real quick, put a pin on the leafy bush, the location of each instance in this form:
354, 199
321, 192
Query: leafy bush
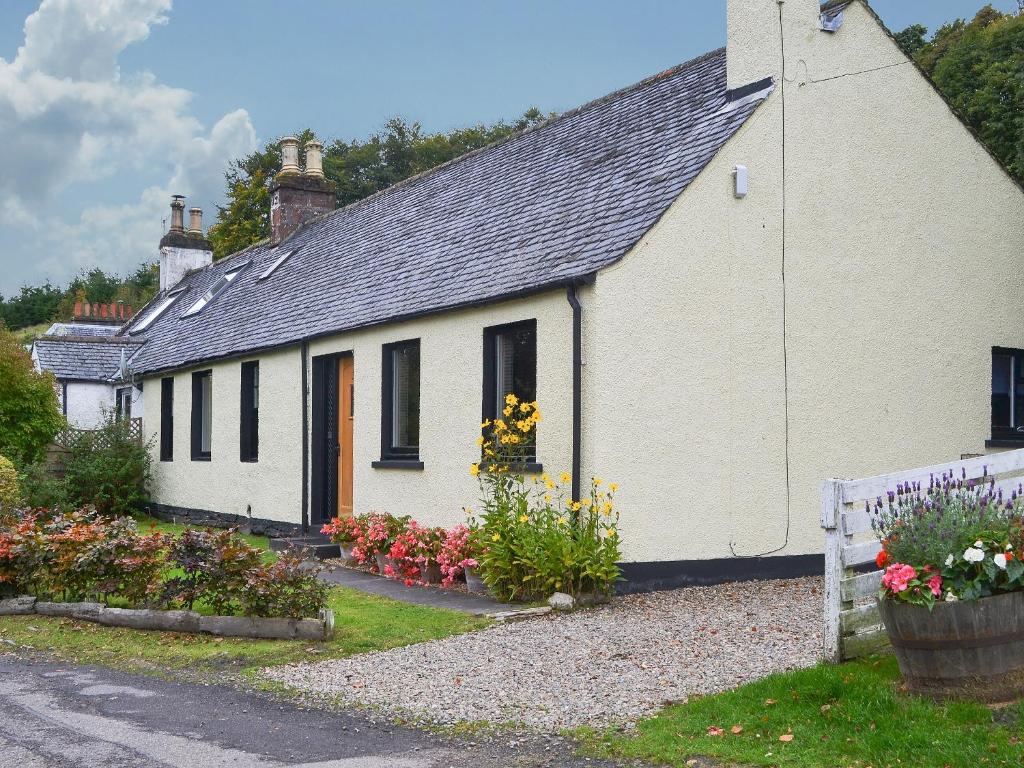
954, 540
10, 493
29, 414
377, 534
535, 539
108, 469
42, 489
211, 566
287, 588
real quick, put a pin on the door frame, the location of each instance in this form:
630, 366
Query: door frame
325, 438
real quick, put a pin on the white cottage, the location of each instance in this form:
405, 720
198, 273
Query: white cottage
782, 261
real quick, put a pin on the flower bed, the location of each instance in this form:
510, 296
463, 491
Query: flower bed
85, 556
531, 538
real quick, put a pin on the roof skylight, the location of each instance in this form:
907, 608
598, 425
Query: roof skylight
277, 263
157, 311
214, 290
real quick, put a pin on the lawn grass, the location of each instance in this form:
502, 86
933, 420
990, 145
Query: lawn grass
149, 524
847, 716
362, 623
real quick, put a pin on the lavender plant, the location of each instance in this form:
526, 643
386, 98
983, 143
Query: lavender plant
924, 526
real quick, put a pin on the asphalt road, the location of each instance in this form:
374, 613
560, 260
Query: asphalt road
61, 716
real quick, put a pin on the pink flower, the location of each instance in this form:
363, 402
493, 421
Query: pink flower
897, 576
935, 584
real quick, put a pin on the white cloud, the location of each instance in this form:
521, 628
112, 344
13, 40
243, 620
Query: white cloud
69, 118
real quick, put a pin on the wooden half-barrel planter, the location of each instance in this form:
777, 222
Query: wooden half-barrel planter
969, 649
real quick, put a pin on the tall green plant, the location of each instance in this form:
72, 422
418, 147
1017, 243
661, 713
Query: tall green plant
108, 468
29, 414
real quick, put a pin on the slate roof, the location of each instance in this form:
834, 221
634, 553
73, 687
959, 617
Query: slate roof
84, 358
553, 204
83, 329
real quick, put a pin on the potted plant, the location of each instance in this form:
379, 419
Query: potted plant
344, 531
952, 594
455, 558
380, 530
414, 554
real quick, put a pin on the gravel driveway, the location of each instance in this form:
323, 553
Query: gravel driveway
605, 666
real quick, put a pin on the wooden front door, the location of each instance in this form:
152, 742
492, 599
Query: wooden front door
346, 414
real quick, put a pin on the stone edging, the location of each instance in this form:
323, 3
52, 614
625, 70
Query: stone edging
176, 621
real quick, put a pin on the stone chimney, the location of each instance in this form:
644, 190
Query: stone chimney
181, 251
756, 29
295, 196
115, 312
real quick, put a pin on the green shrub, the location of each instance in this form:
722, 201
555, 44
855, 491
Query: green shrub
107, 468
10, 493
286, 588
42, 489
532, 539
29, 413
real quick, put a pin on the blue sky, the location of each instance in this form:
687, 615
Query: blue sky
115, 104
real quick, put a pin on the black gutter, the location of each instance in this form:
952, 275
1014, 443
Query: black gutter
304, 355
64, 397
572, 294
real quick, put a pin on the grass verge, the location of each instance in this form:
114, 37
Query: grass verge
847, 716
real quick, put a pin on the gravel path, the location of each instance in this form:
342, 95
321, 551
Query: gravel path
605, 666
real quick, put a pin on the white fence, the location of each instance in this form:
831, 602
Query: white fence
852, 624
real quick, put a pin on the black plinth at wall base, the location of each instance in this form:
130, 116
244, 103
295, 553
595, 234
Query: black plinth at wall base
209, 519
649, 577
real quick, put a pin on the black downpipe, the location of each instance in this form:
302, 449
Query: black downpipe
577, 386
304, 354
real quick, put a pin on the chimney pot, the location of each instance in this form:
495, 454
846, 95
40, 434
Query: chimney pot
177, 213
129, 312
95, 309
195, 221
315, 159
289, 155
78, 309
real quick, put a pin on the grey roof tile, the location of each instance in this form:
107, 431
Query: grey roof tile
86, 358
555, 203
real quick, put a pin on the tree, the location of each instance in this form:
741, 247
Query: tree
357, 168
979, 67
29, 415
912, 39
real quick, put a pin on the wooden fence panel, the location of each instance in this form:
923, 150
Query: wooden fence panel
852, 623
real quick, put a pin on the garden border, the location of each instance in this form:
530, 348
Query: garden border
188, 622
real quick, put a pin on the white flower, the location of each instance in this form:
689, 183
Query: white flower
1000, 560
973, 555
951, 598
979, 545
949, 560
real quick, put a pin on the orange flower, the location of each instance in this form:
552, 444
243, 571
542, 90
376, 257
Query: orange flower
881, 559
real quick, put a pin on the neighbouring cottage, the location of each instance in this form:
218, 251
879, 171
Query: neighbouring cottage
88, 359
782, 261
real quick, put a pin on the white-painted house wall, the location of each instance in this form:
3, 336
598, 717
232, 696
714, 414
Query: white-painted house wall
903, 255
88, 403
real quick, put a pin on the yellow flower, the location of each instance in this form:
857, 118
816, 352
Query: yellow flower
511, 399
480, 441
562, 520
566, 477
525, 407
524, 518
606, 509
613, 487
574, 506
610, 533
546, 477
514, 439
485, 424
488, 452
474, 469
549, 484
496, 537
499, 425
507, 410
585, 502
547, 497
535, 417
598, 481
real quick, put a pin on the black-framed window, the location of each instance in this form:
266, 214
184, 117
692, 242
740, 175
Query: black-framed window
123, 403
400, 401
249, 438
167, 419
202, 415
510, 367
1007, 394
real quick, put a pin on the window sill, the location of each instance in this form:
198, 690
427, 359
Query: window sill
397, 464
527, 467
200, 458
1005, 442
249, 461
